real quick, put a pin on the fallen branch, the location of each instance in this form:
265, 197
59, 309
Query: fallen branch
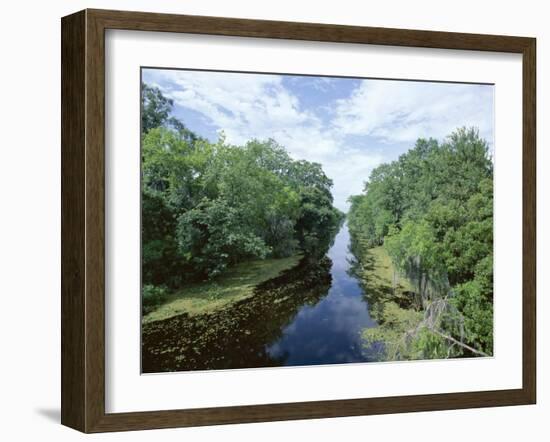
461, 344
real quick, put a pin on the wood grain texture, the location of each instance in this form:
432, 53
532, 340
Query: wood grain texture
83, 219
73, 256
144, 21
95, 222
529, 220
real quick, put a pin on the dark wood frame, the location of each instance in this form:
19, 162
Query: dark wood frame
83, 217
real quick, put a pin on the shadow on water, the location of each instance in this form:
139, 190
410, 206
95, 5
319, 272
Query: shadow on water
376, 290
329, 332
235, 337
311, 314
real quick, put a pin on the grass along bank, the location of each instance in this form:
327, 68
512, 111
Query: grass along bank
236, 335
236, 284
381, 279
404, 326
393, 304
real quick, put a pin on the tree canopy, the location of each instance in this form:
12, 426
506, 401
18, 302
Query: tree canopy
207, 206
432, 209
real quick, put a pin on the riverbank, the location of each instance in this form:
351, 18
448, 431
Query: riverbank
235, 334
392, 303
237, 284
381, 280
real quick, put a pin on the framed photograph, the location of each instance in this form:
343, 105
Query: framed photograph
269, 220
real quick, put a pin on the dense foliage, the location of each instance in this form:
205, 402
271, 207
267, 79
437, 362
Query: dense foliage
432, 209
207, 206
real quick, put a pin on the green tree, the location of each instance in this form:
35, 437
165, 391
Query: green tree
155, 108
207, 206
433, 211
214, 235
161, 262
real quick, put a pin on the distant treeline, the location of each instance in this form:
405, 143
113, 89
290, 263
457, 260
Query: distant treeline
432, 209
207, 206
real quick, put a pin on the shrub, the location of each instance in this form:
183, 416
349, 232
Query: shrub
152, 296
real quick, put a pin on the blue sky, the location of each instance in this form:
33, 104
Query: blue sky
347, 125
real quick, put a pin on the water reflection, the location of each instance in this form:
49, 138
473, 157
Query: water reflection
312, 314
235, 337
329, 332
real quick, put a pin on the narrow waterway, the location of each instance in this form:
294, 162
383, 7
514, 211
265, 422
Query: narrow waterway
329, 331
306, 316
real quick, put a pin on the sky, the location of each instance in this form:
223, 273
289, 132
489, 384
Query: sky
348, 125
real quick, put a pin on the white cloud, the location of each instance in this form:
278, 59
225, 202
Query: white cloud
259, 106
398, 111
244, 106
